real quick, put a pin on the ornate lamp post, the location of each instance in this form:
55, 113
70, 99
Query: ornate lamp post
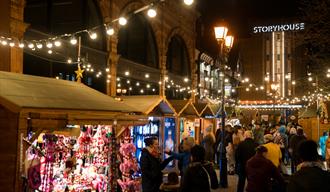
227, 41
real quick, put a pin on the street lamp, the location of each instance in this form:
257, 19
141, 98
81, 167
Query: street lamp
223, 39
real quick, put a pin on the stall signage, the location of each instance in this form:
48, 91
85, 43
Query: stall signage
276, 28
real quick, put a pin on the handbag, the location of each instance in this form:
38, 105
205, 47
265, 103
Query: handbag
209, 179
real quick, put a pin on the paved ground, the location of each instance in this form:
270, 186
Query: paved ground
232, 183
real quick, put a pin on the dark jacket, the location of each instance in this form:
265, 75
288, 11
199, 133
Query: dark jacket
294, 142
259, 172
183, 158
196, 179
309, 179
245, 150
151, 168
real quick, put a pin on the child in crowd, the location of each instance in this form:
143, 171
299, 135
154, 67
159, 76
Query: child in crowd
172, 184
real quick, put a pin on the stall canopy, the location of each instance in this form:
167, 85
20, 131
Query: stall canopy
152, 105
184, 108
204, 109
33, 94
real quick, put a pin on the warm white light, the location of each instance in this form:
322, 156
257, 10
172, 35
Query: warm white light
293, 82
39, 45
128, 81
122, 21
110, 31
188, 2
310, 79
93, 35
247, 79
226, 80
250, 85
153, 90
247, 89
328, 75
266, 78
92, 70
130, 88
147, 75
21, 45
262, 87
229, 41
31, 45
107, 69
127, 73
137, 84
152, 13
69, 61
118, 79
49, 45
11, 44
73, 41
142, 91
4, 42
186, 79
50, 51
148, 86
220, 32
57, 43
108, 81
233, 90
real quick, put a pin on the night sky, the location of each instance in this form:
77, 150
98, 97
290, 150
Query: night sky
238, 13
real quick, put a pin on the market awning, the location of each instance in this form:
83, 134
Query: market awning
184, 108
215, 108
18, 91
149, 104
204, 109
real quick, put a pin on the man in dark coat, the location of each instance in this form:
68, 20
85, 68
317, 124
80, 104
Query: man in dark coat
260, 172
151, 166
310, 175
200, 175
245, 150
293, 148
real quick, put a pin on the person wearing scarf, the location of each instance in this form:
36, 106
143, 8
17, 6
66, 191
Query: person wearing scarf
310, 175
152, 166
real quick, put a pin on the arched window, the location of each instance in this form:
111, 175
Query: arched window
137, 42
177, 57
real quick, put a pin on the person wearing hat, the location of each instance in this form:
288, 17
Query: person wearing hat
274, 151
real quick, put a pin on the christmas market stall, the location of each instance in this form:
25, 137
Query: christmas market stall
187, 118
314, 120
207, 118
161, 122
59, 135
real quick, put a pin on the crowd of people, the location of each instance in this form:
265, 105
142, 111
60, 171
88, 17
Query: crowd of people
259, 155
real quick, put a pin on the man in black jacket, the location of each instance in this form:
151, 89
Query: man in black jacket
309, 176
200, 176
245, 150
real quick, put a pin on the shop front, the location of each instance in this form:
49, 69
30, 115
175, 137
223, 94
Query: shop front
207, 118
59, 135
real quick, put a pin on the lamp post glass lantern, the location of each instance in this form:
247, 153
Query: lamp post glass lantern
223, 39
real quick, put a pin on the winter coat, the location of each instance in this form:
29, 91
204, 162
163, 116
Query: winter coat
196, 179
309, 179
245, 150
151, 168
259, 172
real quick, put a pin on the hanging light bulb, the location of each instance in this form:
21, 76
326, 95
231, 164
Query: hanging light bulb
39, 45
4, 42
122, 21
110, 31
73, 40
188, 2
21, 45
31, 45
49, 45
57, 43
69, 61
147, 75
11, 44
92, 35
152, 13
50, 51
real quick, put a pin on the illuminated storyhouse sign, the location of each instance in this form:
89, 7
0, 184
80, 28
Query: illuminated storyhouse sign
276, 28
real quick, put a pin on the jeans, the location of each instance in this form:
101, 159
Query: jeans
241, 181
